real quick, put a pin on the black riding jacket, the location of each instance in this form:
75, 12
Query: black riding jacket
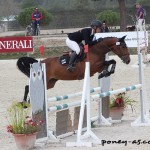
82, 35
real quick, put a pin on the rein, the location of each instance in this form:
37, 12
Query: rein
107, 47
113, 46
119, 44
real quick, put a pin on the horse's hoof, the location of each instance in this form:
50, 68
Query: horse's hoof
111, 72
101, 76
105, 73
23, 104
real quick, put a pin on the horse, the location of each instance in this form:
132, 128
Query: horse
96, 53
131, 28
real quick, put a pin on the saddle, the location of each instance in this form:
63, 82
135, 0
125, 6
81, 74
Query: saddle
65, 58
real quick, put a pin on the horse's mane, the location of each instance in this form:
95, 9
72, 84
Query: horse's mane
101, 39
107, 37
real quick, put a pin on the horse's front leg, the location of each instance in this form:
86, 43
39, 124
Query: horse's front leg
113, 62
105, 72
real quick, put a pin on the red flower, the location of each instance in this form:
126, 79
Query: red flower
9, 128
41, 121
34, 117
30, 120
119, 101
33, 124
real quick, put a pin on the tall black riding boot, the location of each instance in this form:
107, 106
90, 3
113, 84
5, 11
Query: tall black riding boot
71, 62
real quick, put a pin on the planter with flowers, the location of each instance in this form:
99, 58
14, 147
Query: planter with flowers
118, 103
22, 126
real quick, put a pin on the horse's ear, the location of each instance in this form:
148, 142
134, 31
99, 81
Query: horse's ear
122, 39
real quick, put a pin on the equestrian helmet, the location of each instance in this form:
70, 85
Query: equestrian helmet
96, 23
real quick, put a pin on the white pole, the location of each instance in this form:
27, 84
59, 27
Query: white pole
138, 44
99, 111
45, 87
49, 133
88, 133
88, 104
82, 104
144, 119
145, 40
140, 70
104, 83
141, 82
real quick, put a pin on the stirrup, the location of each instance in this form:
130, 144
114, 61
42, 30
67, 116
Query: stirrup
70, 68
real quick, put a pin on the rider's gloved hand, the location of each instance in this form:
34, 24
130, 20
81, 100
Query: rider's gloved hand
95, 41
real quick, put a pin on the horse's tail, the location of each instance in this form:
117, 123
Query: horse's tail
23, 64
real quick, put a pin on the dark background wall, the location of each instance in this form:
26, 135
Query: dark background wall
72, 13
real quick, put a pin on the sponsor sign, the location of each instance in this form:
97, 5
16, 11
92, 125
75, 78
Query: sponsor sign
131, 37
16, 44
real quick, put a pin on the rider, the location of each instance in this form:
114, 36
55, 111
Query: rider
36, 18
74, 39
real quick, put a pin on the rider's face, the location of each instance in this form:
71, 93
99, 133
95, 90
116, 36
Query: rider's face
98, 29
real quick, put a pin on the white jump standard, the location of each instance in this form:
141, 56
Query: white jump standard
88, 138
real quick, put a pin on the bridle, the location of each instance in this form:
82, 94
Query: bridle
123, 44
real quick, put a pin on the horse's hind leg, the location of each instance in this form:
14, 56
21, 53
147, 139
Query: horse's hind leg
25, 97
50, 84
26, 93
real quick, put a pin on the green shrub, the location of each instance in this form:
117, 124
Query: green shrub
24, 17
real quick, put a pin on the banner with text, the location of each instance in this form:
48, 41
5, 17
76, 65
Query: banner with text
16, 44
131, 37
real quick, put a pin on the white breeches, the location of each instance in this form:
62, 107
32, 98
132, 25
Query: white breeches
140, 24
73, 45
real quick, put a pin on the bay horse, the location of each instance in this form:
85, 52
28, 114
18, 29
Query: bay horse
56, 71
